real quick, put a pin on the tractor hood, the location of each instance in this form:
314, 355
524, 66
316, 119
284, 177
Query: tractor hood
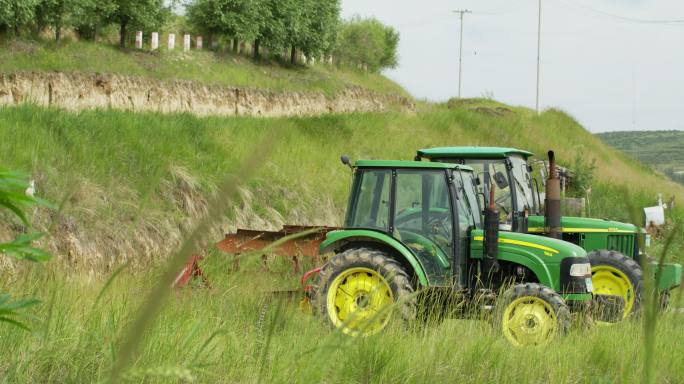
545, 248
571, 224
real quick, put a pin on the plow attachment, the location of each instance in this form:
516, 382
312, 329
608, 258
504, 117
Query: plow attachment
293, 242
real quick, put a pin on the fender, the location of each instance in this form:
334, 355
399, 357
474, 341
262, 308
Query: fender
335, 239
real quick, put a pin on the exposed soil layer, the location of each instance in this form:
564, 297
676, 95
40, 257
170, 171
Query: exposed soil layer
78, 91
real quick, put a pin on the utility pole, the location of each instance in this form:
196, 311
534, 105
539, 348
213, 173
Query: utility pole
538, 52
461, 12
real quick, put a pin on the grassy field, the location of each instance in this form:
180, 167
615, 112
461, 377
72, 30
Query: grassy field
204, 66
232, 333
661, 150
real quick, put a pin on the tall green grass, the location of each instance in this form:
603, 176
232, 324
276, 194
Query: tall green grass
230, 334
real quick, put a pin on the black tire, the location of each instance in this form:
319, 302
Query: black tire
554, 302
624, 264
392, 272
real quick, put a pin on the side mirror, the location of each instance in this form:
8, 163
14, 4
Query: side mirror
500, 180
345, 160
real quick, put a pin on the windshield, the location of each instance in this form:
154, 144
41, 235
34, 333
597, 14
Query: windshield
523, 184
494, 172
468, 208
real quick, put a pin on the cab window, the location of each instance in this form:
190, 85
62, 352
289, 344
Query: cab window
423, 216
370, 209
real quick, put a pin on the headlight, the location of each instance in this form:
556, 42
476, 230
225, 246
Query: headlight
580, 270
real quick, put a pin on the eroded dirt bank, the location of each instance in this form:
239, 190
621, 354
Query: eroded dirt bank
78, 91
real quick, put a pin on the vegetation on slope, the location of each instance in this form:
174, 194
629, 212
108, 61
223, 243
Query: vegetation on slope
134, 181
661, 150
203, 66
130, 186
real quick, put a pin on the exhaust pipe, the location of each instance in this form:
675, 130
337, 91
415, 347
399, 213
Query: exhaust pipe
491, 234
552, 203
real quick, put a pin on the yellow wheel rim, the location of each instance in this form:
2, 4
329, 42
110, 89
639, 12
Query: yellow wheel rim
529, 320
357, 301
608, 280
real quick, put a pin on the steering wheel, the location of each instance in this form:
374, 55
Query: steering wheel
439, 225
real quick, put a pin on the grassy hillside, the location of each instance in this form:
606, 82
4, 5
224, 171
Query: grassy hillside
133, 182
661, 150
203, 66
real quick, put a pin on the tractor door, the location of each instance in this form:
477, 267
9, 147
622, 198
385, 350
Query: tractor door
423, 220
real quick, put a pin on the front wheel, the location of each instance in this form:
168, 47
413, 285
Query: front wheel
613, 273
531, 314
360, 290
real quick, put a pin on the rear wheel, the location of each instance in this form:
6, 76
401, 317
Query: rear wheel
613, 273
531, 314
361, 290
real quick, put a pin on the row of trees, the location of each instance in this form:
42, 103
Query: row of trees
86, 17
312, 27
306, 25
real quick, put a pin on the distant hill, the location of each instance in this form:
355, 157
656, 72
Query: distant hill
662, 150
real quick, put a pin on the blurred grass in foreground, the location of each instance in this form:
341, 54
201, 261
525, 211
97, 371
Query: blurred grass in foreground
217, 335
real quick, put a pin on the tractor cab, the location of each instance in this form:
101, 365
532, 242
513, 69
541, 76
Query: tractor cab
429, 207
516, 194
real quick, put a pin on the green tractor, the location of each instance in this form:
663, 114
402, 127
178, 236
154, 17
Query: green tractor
613, 247
417, 227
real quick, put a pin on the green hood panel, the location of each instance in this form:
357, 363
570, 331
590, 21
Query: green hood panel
572, 224
548, 249
541, 255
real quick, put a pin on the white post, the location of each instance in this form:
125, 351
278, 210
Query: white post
172, 41
138, 39
155, 41
186, 43
199, 42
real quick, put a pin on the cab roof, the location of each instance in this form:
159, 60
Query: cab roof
409, 164
472, 152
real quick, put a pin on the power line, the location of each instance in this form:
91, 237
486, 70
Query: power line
624, 18
461, 12
538, 53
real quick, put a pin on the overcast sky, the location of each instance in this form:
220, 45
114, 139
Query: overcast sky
609, 73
